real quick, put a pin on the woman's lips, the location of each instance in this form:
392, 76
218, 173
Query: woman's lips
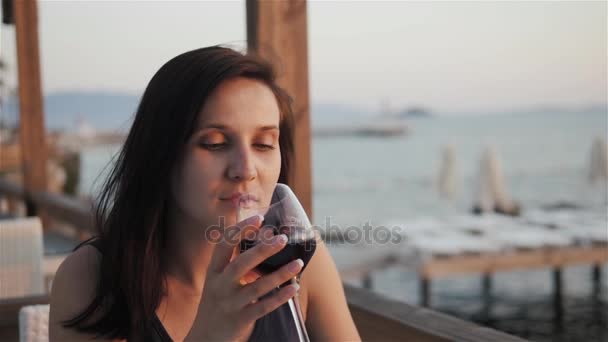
242, 200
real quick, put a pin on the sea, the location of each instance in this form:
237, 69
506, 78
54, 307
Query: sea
544, 158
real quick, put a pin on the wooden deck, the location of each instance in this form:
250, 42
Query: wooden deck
523, 259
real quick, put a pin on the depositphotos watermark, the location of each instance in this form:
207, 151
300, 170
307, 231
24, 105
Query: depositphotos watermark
330, 233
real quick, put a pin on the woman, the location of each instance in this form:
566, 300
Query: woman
212, 123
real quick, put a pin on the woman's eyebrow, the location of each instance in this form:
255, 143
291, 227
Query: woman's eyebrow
268, 128
216, 126
226, 128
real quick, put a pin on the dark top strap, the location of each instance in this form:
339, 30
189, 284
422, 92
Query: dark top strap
276, 326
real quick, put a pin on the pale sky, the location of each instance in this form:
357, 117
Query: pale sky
449, 56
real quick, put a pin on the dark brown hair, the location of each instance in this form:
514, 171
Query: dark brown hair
132, 208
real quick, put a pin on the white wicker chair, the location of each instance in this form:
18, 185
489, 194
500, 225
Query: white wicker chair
21, 253
34, 323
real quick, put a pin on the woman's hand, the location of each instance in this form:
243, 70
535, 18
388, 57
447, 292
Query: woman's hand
228, 310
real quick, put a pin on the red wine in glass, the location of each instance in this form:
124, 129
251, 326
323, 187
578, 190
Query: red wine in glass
294, 249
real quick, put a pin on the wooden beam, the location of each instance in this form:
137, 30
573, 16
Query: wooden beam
277, 31
66, 209
381, 319
9, 308
9, 314
56, 206
31, 117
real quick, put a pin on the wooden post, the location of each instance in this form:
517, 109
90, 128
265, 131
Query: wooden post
31, 117
557, 296
597, 306
367, 281
486, 288
277, 31
425, 291
596, 278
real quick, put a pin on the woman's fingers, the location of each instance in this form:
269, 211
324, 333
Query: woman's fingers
267, 305
252, 257
268, 282
250, 277
229, 240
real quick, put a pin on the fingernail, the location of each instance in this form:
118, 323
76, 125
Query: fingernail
255, 218
296, 287
295, 265
281, 239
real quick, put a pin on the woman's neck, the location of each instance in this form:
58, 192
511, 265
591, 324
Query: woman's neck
189, 253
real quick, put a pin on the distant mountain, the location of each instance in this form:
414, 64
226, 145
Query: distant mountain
103, 111
557, 109
591, 108
106, 111
327, 114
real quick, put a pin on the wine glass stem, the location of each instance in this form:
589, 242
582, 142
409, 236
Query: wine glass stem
294, 305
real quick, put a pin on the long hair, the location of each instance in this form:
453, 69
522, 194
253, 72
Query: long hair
132, 208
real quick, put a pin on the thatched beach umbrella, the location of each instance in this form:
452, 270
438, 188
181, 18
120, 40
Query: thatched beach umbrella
447, 173
491, 194
598, 166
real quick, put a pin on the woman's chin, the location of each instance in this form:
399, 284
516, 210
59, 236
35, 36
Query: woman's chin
227, 213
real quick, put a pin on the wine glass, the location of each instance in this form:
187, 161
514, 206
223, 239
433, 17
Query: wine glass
284, 215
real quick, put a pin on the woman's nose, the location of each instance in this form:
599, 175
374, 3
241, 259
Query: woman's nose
241, 167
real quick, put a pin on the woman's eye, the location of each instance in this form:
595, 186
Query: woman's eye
264, 147
213, 147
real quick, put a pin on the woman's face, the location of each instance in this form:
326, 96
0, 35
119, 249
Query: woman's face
234, 150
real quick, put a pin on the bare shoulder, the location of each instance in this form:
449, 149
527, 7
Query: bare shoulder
320, 269
77, 275
73, 289
327, 315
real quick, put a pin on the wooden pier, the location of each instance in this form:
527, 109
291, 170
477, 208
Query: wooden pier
431, 266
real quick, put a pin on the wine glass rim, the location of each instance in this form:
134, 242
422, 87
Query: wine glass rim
288, 210
272, 204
